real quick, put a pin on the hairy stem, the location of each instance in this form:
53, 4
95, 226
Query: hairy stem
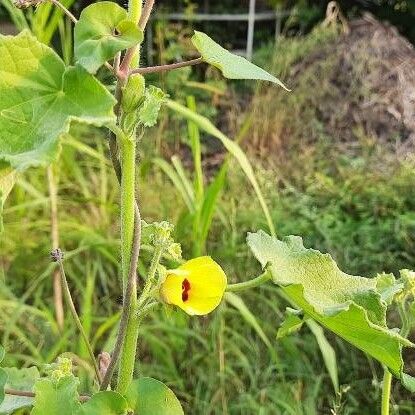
255, 282
75, 316
132, 275
134, 10
387, 376
158, 252
146, 13
54, 225
129, 347
386, 391
169, 67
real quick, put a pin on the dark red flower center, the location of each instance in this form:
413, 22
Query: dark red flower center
185, 290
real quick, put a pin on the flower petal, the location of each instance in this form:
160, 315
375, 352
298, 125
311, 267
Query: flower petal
207, 285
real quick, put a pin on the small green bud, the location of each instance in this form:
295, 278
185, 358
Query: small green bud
408, 278
60, 369
175, 250
133, 93
162, 232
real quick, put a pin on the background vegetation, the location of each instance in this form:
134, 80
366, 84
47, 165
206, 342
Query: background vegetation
351, 195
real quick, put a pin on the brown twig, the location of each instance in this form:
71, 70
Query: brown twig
145, 14
14, 392
54, 224
169, 67
57, 256
65, 10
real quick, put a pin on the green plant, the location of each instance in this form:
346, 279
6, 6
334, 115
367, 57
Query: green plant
73, 93
40, 98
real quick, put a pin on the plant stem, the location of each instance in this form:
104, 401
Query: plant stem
386, 391
134, 10
146, 12
387, 376
129, 348
256, 282
65, 10
132, 275
14, 392
54, 225
158, 252
75, 316
169, 67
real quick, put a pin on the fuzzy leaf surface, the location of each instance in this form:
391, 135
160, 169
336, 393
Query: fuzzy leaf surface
39, 97
232, 66
153, 99
56, 397
105, 403
148, 396
348, 305
102, 31
18, 379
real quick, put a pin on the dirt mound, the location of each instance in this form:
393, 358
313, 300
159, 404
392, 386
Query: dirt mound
351, 87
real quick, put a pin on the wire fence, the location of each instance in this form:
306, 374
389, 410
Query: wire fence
250, 18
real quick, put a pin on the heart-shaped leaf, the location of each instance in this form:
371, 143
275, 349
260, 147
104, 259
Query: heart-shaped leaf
350, 306
103, 30
104, 403
22, 380
56, 397
148, 396
232, 66
39, 97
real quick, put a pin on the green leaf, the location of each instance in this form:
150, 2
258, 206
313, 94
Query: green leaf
56, 397
104, 403
204, 124
292, 323
237, 302
102, 31
7, 180
232, 66
153, 99
22, 380
148, 396
327, 351
348, 305
388, 287
39, 98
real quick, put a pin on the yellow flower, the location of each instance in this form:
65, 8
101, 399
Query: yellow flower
197, 286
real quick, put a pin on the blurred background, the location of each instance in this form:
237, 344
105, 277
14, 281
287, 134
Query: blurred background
336, 164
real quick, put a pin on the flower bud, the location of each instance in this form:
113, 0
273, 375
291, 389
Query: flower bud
133, 93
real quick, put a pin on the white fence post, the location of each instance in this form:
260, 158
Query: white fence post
251, 18
251, 30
